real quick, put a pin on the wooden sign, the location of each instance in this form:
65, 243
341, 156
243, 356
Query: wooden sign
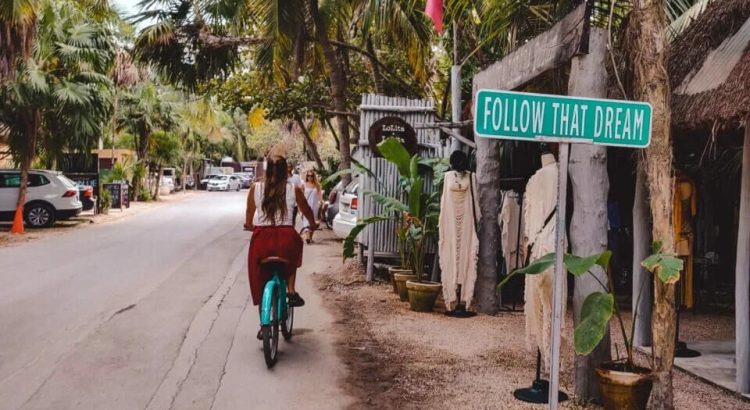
392, 127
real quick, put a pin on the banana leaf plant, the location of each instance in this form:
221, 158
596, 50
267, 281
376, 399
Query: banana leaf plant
416, 216
599, 307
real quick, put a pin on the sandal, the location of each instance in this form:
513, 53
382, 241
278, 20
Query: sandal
295, 300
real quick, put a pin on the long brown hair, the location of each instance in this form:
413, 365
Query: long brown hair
274, 190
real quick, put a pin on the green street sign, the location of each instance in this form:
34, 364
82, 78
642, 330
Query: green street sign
541, 117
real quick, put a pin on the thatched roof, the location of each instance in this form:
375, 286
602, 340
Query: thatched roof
709, 67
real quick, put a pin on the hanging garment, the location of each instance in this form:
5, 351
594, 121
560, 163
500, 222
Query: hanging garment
685, 208
511, 230
539, 231
458, 243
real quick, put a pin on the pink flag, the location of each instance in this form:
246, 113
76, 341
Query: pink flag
434, 10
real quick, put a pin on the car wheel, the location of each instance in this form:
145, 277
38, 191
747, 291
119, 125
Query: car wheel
39, 215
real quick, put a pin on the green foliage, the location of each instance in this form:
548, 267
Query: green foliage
599, 307
666, 265
324, 174
596, 311
105, 200
165, 148
60, 96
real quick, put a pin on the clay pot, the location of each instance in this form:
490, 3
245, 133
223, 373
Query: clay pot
400, 279
422, 295
624, 388
397, 270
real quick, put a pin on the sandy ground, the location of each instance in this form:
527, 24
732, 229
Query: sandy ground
400, 359
87, 218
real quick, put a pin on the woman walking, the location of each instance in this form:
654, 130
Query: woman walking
314, 197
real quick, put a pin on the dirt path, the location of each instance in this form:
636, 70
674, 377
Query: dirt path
400, 359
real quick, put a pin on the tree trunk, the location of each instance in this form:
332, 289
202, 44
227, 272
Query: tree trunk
588, 227
338, 87
742, 274
488, 173
647, 33
31, 129
310, 146
377, 79
158, 182
641, 248
333, 132
183, 180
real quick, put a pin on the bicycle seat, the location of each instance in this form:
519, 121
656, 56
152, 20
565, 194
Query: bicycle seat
274, 263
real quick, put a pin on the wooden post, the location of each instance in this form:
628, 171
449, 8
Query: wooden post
641, 248
455, 89
588, 226
488, 173
742, 272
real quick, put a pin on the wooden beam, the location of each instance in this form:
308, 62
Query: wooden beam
553, 48
742, 275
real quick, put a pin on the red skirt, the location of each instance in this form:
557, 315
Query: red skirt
268, 241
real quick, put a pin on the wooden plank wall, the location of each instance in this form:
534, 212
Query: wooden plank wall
382, 236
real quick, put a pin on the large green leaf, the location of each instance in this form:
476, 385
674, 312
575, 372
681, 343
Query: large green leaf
350, 240
667, 266
579, 266
596, 311
415, 197
390, 204
394, 152
538, 266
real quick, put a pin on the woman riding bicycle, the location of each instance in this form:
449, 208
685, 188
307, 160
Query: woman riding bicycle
269, 216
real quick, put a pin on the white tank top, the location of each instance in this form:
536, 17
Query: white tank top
260, 219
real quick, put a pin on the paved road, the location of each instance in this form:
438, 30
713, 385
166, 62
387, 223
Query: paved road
153, 312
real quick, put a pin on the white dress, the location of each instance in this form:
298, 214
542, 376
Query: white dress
313, 199
458, 243
541, 201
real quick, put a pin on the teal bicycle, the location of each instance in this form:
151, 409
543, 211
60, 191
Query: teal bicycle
275, 313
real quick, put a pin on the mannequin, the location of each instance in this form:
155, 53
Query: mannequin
458, 243
539, 236
684, 210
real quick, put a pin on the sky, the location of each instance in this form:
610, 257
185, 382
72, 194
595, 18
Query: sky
128, 7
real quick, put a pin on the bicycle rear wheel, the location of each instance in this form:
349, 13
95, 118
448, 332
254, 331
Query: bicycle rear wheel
271, 334
288, 324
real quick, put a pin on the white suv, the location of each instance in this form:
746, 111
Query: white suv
50, 196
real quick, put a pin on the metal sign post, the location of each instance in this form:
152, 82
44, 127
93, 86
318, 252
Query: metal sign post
563, 119
558, 298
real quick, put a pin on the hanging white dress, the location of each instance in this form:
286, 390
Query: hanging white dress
540, 202
458, 243
511, 231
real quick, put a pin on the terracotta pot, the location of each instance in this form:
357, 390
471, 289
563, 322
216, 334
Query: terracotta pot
624, 389
422, 295
400, 280
397, 270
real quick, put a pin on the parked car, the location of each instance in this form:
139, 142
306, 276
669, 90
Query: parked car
244, 179
166, 185
50, 197
346, 219
224, 183
204, 181
86, 196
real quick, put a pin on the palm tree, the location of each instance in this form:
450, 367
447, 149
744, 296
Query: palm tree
60, 97
17, 31
145, 111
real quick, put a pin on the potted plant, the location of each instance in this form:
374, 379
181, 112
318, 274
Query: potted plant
397, 210
105, 201
622, 383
